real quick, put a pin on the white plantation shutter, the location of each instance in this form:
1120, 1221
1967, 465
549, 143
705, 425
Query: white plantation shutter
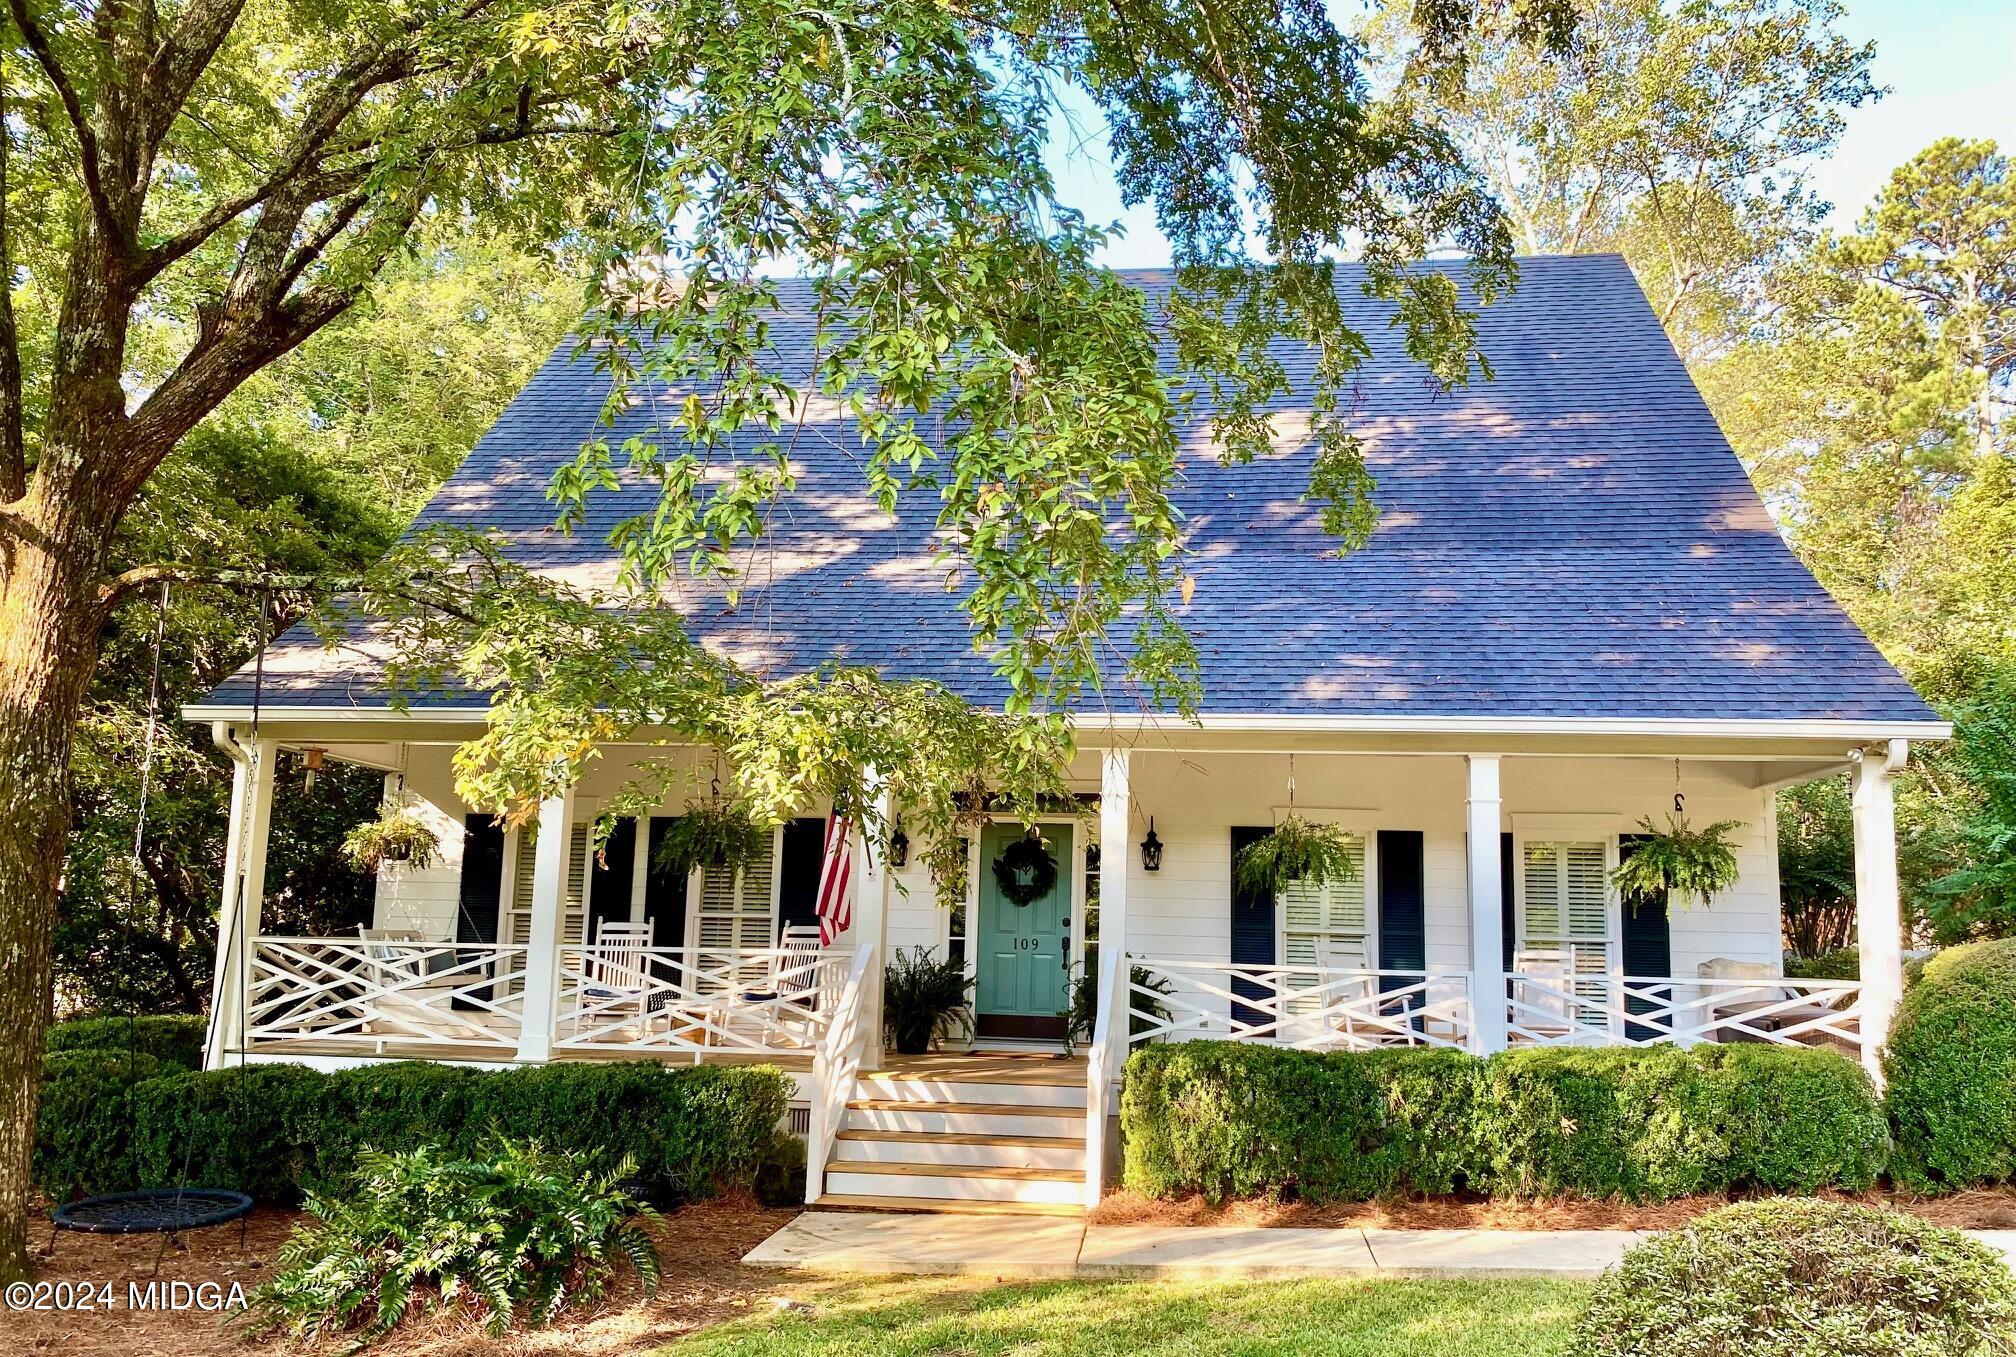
574, 916
518, 921
1567, 905
1327, 925
737, 909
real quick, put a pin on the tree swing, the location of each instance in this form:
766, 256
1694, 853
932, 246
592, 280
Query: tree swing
169, 1211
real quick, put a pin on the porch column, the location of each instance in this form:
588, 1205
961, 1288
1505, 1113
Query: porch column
541, 992
871, 920
1108, 1054
244, 890
1487, 905
1879, 916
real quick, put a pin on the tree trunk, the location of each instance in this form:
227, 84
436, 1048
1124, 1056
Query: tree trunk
49, 632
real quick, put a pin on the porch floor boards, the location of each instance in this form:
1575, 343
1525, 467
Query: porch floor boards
434, 1050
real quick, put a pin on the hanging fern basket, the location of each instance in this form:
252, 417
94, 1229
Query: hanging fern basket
1679, 863
1298, 850
716, 835
396, 836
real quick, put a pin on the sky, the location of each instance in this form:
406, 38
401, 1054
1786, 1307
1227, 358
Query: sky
1950, 66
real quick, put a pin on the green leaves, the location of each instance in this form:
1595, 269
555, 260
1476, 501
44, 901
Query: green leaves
1297, 851
397, 836
1679, 863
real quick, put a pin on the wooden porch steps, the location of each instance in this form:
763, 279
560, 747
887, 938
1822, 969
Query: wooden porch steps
995, 1136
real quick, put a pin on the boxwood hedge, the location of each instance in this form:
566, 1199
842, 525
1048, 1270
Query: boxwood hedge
1233, 1120
174, 1039
278, 1130
1951, 1070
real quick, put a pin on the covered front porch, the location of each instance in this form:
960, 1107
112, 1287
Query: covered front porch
1479, 916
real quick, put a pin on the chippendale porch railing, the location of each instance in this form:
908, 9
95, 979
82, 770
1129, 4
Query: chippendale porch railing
1631, 1010
690, 1000
371, 993
1306, 1007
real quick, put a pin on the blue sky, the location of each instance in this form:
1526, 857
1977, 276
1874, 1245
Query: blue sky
1950, 66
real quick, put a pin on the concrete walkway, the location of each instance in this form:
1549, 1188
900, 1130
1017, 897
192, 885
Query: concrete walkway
998, 1246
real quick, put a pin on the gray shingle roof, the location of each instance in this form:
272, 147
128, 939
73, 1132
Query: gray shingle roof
1573, 538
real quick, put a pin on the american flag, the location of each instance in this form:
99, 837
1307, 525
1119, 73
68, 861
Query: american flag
836, 910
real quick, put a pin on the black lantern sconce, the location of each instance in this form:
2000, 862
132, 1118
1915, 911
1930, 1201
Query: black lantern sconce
1151, 849
899, 845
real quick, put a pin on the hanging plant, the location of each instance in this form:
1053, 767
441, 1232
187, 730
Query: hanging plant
1679, 863
1025, 871
397, 836
1297, 850
718, 834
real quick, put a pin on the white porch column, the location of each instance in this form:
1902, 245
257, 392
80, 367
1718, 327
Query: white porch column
1487, 904
540, 996
1879, 918
870, 925
1108, 1054
244, 889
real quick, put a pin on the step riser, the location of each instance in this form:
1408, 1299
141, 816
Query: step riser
953, 1189
939, 1091
959, 1123
953, 1152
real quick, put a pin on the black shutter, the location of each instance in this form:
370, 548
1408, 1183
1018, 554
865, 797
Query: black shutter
1647, 950
664, 892
610, 876
476, 896
1403, 927
798, 873
482, 879
1252, 927
1508, 884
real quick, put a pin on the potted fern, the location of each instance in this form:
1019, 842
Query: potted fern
924, 999
1298, 850
397, 836
1678, 863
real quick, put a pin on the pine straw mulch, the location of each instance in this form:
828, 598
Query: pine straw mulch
1981, 1209
705, 1283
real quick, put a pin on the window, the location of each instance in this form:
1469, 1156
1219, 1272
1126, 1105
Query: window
1328, 926
738, 909
574, 902
1565, 914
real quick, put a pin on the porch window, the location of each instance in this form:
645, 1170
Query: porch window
1327, 926
1565, 928
738, 909
574, 903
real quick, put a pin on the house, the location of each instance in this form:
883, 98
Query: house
1574, 612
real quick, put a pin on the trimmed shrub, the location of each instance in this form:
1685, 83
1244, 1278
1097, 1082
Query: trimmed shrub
1791, 1278
514, 1236
1230, 1120
82, 1118
279, 1131
172, 1038
1951, 1070
1843, 963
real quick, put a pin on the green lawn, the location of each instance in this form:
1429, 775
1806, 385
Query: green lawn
973, 1318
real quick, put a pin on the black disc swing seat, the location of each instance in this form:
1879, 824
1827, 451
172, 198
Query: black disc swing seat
152, 1210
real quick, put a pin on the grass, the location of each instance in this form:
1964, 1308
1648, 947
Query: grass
968, 1317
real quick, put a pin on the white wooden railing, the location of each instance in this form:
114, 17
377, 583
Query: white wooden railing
368, 992
1631, 1010
835, 1066
690, 1000
1305, 1007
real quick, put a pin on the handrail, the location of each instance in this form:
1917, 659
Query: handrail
1109, 1036
835, 1065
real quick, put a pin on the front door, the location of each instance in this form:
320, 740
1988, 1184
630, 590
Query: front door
1024, 953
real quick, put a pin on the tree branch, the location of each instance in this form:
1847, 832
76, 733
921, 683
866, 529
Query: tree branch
87, 140
118, 587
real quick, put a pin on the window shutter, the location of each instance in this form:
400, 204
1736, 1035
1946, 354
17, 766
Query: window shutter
520, 923
609, 891
1252, 926
1508, 898
664, 891
1403, 930
735, 905
1326, 926
573, 908
573, 892
482, 879
800, 857
1646, 946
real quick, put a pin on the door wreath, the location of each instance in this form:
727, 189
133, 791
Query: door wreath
1025, 871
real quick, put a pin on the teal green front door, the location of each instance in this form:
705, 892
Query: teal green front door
1024, 952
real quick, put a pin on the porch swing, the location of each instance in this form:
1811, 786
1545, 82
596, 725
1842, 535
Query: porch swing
171, 1211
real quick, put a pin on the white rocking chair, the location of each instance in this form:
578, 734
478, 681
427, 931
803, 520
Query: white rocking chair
614, 976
